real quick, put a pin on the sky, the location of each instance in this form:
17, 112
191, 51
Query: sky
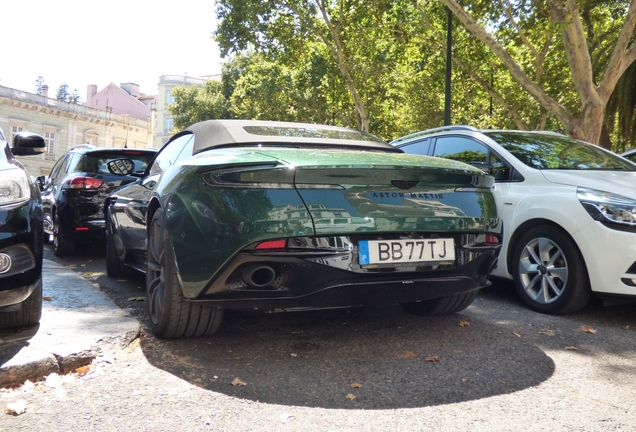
82, 42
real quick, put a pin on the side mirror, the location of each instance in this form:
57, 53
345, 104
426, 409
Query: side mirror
121, 166
27, 144
41, 181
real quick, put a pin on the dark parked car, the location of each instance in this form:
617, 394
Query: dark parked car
20, 235
225, 217
73, 194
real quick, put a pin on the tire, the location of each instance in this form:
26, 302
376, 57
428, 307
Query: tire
441, 306
549, 272
170, 315
63, 244
29, 313
114, 266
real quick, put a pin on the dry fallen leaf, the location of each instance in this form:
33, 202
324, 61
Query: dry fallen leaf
47, 298
516, 334
356, 385
83, 370
464, 324
137, 299
238, 382
432, 358
571, 348
546, 332
16, 408
464, 379
626, 327
350, 396
588, 329
408, 354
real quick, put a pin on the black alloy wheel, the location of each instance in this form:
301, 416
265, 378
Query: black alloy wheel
114, 266
170, 315
549, 272
63, 244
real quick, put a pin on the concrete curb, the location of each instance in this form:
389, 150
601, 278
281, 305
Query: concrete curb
78, 324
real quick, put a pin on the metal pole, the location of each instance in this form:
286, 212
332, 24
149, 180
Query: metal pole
449, 53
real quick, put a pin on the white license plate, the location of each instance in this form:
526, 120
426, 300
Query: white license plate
406, 251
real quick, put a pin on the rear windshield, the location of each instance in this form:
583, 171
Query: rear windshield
96, 163
544, 151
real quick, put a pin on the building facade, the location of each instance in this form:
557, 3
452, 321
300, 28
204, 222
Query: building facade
164, 98
65, 125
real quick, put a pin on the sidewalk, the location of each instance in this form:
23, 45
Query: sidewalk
79, 323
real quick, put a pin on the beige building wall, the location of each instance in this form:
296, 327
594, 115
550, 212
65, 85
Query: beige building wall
163, 117
64, 125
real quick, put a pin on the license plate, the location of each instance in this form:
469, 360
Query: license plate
406, 251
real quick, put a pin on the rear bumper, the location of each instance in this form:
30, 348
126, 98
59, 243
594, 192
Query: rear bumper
306, 282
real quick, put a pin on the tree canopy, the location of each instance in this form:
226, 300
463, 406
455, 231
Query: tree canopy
379, 66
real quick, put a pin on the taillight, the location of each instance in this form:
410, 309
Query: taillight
271, 244
82, 183
491, 240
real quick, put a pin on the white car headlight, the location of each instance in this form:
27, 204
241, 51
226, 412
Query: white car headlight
608, 207
14, 186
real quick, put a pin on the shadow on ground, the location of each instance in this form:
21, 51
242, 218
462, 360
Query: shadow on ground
375, 358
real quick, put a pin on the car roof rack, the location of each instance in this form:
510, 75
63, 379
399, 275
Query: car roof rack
433, 130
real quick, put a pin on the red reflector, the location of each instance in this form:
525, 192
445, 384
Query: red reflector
492, 240
81, 229
272, 244
132, 152
83, 183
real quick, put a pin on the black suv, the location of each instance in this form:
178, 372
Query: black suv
73, 194
20, 235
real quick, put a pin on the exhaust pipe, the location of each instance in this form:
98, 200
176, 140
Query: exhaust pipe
258, 276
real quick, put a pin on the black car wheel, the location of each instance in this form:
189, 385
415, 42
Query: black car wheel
28, 314
549, 272
441, 306
63, 244
114, 266
170, 315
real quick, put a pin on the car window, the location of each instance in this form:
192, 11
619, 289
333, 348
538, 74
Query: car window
59, 167
461, 149
170, 153
418, 148
98, 162
499, 169
545, 151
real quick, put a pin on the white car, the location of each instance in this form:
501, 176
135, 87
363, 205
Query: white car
568, 210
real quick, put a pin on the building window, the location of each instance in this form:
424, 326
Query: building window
91, 137
49, 139
167, 125
169, 97
14, 131
51, 146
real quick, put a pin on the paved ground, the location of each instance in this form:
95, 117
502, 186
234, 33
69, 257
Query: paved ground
79, 323
495, 367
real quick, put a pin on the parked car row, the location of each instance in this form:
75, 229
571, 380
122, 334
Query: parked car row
259, 215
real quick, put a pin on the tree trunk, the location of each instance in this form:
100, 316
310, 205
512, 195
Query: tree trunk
587, 126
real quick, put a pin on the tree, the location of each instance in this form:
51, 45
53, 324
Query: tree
39, 82
74, 97
283, 30
62, 92
193, 104
596, 39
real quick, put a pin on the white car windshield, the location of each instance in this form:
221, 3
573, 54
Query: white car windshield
545, 151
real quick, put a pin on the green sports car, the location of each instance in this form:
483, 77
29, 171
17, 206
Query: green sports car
258, 215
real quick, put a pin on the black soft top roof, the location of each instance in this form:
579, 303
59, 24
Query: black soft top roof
212, 134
